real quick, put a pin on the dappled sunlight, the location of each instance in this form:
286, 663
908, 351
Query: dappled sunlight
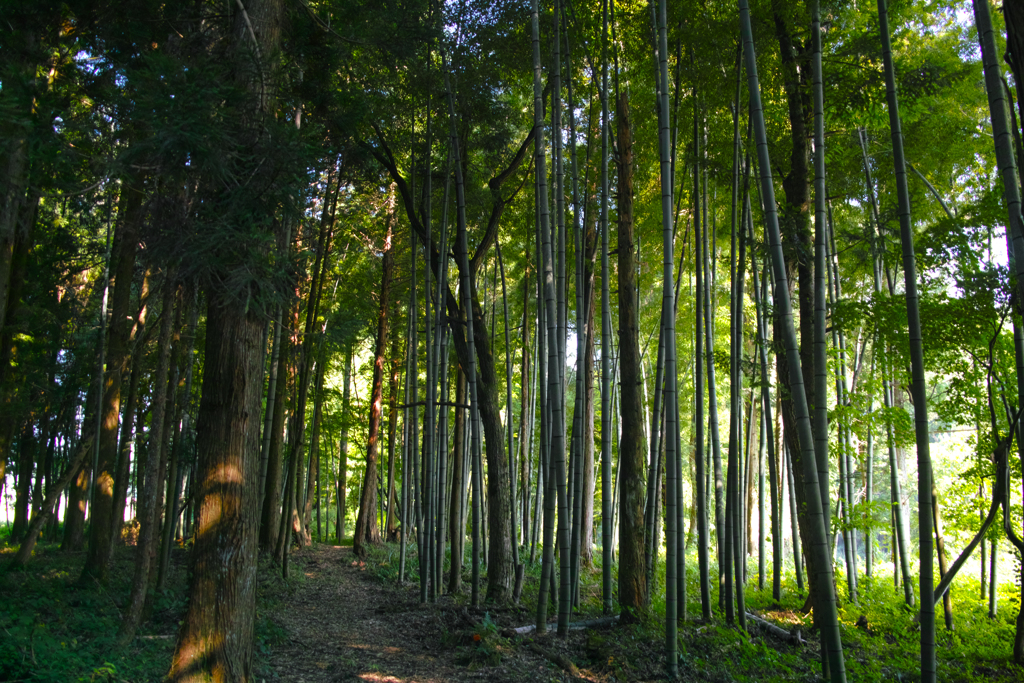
786, 617
380, 678
225, 484
198, 657
227, 474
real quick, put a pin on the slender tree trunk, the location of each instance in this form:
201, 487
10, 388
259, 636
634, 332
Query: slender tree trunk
457, 530
701, 463
149, 522
140, 337
559, 338
918, 386
794, 532
24, 554
707, 261
118, 355
775, 458
343, 450
579, 406
391, 523
606, 324
366, 531
761, 519
514, 535
525, 413
869, 481
546, 272
269, 412
590, 305
180, 414
672, 599
314, 436
940, 544
901, 563
993, 588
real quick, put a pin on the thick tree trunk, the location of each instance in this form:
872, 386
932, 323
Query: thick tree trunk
215, 639
499, 549
795, 226
633, 446
795, 219
15, 162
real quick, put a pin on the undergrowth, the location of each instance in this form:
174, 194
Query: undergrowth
885, 646
55, 630
58, 630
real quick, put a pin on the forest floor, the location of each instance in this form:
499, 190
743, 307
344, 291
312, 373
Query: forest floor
342, 622
338, 619
342, 619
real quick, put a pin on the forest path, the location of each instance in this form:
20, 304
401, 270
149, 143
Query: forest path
345, 624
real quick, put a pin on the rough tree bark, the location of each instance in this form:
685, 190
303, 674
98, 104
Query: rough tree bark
215, 640
633, 446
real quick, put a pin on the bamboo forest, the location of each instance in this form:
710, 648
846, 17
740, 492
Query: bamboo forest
511, 340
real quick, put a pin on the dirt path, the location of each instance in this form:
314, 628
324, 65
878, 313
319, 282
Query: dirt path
343, 624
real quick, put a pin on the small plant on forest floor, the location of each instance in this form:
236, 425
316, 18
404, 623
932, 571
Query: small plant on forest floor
103, 674
484, 646
269, 633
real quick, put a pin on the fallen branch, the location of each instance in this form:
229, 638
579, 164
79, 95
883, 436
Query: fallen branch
562, 661
574, 626
778, 631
